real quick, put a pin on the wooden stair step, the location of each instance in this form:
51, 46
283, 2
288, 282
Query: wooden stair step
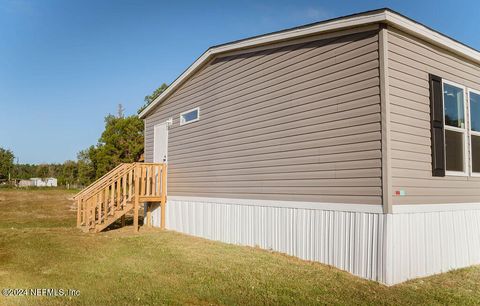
111, 219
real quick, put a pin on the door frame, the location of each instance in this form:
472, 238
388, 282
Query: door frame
166, 124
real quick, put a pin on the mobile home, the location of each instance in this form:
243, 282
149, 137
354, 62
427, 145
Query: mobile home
353, 142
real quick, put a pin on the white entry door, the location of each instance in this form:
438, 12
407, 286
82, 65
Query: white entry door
160, 143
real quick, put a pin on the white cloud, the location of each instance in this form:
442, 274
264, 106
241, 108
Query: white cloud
289, 16
310, 14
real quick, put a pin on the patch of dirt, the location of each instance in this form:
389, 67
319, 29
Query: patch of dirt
73, 207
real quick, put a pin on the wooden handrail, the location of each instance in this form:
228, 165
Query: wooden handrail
99, 185
98, 181
151, 178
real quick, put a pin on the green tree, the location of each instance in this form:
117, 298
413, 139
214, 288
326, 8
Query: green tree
6, 163
69, 173
120, 142
25, 171
86, 170
149, 99
43, 171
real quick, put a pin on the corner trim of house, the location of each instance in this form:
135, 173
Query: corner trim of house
419, 208
385, 114
349, 207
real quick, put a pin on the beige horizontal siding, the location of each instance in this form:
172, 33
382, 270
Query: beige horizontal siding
298, 122
237, 180
410, 62
284, 170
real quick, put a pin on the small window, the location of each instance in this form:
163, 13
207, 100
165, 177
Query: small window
455, 129
190, 116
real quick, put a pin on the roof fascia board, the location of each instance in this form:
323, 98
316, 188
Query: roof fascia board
436, 38
300, 40
297, 33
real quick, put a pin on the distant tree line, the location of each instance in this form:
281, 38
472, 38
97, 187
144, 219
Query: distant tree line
66, 173
6, 163
121, 141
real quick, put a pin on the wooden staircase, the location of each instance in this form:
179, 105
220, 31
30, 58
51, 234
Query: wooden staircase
119, 192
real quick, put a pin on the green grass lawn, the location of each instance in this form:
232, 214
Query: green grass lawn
41, 248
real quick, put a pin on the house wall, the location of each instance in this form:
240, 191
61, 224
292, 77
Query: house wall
410, 60
435, 226
292, 123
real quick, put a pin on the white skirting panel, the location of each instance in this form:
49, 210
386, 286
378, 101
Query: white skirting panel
431, 242
156, 214
351, 241
414, 241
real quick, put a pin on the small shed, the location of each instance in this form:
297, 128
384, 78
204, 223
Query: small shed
47, 182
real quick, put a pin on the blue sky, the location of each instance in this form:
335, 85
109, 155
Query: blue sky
65, 64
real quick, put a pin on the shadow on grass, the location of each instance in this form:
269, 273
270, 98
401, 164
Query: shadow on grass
128, 222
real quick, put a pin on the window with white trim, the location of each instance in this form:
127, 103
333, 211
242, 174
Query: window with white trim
190, 116
455, 128
462, 129
474, 107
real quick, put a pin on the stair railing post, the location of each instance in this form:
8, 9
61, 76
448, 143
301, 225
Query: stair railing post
89, 213
130, 183
98, 206
85, 212
105, 203
136, 188
92, 212
78, 212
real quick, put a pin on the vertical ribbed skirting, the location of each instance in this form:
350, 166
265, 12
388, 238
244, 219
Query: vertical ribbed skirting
389, 248
350, 241
426, 243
